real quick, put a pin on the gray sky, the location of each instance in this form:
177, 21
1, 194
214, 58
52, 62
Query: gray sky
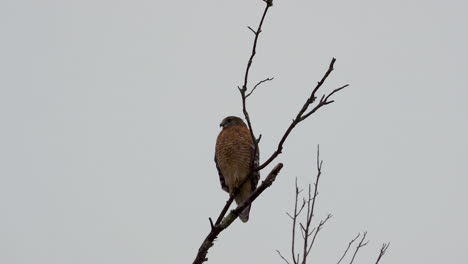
109, 112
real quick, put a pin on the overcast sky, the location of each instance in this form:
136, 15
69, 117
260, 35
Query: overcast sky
109, 111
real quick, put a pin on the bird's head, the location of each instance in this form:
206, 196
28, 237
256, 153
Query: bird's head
231, 121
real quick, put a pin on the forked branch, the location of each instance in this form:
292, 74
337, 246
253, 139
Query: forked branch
305, 112
243, 89
383, 250
349, 245
216, 229
309, 234
359, 246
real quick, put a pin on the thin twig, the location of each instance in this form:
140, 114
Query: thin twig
311, 207
294, 219
359, 246
307, 225
319, 227
305, 228
349, 245
211, 222
293, 239
285, 260
254, 48
323, 101
226, 207
383, 250
258, 84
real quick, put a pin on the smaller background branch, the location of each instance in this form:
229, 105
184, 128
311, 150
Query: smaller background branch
309, 233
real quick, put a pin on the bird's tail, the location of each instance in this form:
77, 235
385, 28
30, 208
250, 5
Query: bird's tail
243, 194
244, 215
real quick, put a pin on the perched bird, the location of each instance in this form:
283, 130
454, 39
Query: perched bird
235, 159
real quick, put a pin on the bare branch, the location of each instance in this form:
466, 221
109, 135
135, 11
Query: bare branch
302, 207
302, 231
349, 245
359, 246
211, 222
227, 221
285, 260
319, 227
254, 48
310, 210
335, 91
243, 89
223, 212
293, 239
383, 250
258, 84
302, 115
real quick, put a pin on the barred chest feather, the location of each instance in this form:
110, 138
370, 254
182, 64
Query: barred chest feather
234, 155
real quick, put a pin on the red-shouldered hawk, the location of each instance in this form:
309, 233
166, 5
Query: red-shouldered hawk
235, 158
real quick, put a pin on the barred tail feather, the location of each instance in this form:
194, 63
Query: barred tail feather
244, 215
241, 197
